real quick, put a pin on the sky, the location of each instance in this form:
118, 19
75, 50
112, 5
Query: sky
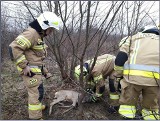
102, 11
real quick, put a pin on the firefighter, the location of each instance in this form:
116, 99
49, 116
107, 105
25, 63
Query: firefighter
28, 51
138, 62
103, 68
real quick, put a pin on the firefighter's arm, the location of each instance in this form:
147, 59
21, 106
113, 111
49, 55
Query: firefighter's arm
122, 57
17, 54
17, 49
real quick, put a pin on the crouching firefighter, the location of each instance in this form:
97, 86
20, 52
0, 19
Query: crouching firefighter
28, 51
139, 65
104, 67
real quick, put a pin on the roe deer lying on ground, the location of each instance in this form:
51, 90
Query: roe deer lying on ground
65, 95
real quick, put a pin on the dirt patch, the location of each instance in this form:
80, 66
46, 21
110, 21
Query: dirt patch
91, 111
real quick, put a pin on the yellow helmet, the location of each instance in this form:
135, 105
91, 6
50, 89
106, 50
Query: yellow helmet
77, 71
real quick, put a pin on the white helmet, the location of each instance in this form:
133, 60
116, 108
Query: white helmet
158, 26
49, 19
150, 29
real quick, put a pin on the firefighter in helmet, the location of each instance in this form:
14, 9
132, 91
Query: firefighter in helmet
138, 62
28, 51
103, 68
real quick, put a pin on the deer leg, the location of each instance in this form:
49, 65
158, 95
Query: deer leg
68, 109
62, 104
74, 102
54, 102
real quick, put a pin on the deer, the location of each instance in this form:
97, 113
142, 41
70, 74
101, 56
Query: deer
65, 95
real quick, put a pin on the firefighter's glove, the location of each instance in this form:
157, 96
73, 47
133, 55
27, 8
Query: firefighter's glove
94, 98
89, 90
90, 98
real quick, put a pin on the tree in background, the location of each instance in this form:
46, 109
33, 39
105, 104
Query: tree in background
90, 28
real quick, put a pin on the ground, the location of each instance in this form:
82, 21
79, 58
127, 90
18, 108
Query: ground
14, 99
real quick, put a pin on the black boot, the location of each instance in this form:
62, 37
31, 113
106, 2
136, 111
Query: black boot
113, 109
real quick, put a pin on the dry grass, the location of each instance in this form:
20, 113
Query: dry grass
14, 100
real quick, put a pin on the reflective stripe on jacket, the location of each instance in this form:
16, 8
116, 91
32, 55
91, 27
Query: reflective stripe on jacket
142, 66
28, 49
103, 67
141, 70
34, 69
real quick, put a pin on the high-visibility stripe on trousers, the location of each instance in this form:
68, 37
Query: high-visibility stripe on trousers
35, 107
114, 96
150, 115
127, 111
35, 95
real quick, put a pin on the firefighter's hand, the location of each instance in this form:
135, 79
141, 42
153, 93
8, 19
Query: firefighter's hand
48, 75
27, 71
94, 98
89, 90
89, 98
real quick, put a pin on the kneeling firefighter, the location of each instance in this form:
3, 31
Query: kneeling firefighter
139, 65
103, 68
28, 51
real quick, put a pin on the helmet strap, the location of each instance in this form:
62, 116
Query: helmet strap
43, 33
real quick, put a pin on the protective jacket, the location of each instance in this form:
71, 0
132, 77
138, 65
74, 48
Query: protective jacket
29, 49
142, 66
103, 67
138, 61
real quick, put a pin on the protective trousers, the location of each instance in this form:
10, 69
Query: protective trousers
114, 96
35, 94
129, 98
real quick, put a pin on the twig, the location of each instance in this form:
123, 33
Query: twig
68, 110
67, 106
